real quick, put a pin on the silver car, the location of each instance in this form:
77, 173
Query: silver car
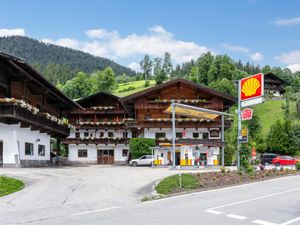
145, 160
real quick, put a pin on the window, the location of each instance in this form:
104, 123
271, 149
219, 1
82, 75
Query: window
110, 134
160, 135
147, 116
214, 133
125, 152
28, 149
41, 150
204, 135
196, 135
86, 134
77, 135
82, 153
178, 135
125, 134
101, 134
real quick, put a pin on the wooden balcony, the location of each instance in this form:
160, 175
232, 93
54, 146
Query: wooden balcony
14, 114
194, 141
91, 111
96, 141
100, 125
180, 123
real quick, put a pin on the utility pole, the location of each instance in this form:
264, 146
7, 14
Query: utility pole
239, 126
173, 131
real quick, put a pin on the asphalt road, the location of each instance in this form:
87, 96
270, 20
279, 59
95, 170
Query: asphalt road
272, 202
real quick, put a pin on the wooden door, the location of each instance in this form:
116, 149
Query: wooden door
105, 156
1, 153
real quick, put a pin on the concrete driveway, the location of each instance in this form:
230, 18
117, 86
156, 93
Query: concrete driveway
54, 192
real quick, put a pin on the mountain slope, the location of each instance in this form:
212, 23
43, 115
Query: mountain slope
34, 51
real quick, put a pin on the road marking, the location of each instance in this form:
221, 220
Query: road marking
96, 210
213, 211
291, 221
238, 217
262, 222
257, 198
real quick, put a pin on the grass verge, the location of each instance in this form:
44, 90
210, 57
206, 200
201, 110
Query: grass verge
9, 185
172, 184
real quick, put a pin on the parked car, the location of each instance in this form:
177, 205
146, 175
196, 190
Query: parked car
145, 160
267, 158
284, 160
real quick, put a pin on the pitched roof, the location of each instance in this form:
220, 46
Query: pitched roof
273, 75
98, 94
29, 71
178, 80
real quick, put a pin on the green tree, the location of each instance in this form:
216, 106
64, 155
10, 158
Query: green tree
204, 63
141, 146
104, 80
159, 75
146, 66
222, 67
266, 69
224, 85
194, 74
167, 66
78, 87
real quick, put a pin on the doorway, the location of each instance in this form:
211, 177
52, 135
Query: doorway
177, 158
203, 159
105, 156
1, 153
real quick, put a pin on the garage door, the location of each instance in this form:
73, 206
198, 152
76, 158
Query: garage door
105, 156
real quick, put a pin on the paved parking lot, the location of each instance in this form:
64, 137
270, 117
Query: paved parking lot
57, 191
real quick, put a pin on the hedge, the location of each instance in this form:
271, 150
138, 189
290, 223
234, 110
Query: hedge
141, 146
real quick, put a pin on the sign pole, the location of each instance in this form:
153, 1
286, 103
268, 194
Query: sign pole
239, 125
173, 132
223, 140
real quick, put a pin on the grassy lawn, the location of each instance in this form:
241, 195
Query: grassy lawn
171, 184
9, 185
136, 86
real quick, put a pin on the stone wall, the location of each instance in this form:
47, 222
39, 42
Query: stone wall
36, 163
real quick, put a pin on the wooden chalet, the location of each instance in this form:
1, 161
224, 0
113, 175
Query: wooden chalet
32, 111
273, 85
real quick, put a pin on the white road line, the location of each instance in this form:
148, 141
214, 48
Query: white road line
96, 210
213, 211
238, 217
257, 198
262, 222
291, 221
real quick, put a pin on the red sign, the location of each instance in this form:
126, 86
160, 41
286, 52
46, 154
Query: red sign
247, 114
183, 133
253, 153
252, 87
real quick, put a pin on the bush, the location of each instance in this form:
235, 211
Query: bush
298, 166
223, 169
147, 83
141, 146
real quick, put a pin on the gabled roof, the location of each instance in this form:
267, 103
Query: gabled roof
96, 95
274, 76
28, 71
175, 81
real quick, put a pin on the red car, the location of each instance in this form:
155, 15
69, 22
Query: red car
284, 160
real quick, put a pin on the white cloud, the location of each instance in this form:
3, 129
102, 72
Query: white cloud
134, 66
235, 48
294, 67
111, 44
288, 22
257, 56
292, 57
12, 32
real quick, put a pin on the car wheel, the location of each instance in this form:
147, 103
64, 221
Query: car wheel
134, 164
277, 164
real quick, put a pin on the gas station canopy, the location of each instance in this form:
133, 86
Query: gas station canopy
194, 112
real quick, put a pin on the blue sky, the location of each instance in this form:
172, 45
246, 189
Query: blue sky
259, 31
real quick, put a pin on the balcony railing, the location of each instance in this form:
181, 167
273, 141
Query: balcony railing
193, 141
92, 140
12, 113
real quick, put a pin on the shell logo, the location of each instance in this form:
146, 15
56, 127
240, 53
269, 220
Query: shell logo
250, 87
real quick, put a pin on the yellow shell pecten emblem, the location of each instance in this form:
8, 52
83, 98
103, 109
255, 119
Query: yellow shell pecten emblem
250, 87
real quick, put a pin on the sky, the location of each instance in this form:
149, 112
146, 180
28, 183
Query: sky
259, 31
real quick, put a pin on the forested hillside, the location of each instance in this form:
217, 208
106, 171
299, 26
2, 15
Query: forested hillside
59, 60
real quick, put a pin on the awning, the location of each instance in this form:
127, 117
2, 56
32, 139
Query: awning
190, 112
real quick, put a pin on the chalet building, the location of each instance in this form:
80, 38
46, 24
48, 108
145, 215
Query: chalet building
107, 122
32, 111
273, 85
101, 134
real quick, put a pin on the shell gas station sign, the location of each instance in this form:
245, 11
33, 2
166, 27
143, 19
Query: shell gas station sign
251, 90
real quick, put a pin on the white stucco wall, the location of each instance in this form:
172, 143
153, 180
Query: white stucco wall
92, 152
14, 138
118, 133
